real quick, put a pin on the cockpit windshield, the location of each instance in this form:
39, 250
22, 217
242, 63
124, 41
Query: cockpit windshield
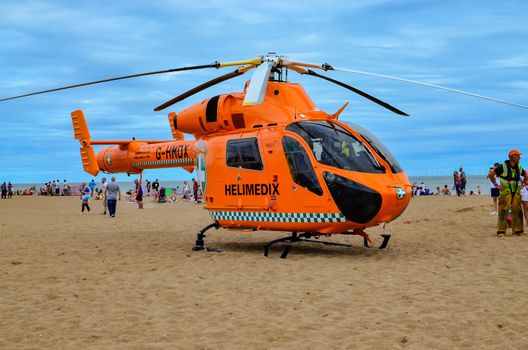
334, 146
379, 147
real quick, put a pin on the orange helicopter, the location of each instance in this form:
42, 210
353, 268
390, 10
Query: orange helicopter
268, 158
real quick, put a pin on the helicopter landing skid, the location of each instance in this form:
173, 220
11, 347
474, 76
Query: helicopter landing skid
295, 237
304, 237
199, 245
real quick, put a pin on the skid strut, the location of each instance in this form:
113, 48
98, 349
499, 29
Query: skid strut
386, 238
199, 245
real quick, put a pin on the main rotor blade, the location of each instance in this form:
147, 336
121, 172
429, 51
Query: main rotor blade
431, 85
359, 92
257, 86
201, 87
290, 64
213, 65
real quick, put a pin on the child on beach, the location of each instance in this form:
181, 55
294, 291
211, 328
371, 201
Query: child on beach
85, 197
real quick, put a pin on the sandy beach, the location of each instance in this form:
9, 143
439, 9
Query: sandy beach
71, 281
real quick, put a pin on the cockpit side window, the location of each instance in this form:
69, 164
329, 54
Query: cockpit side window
244, 153
300, 166
378, 146
335, 146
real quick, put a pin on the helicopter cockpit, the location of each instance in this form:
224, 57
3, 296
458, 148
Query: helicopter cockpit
378, 146
334, 146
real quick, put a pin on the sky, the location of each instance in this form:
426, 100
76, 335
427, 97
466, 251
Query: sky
475, 46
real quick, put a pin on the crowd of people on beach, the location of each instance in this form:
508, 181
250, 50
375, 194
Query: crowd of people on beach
52, 188
189, 192
110, 194
55, 188
459, 187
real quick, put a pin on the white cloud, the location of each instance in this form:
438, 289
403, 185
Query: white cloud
523, 85
520, 61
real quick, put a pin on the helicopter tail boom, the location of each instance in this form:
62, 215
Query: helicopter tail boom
131, 156
136, 156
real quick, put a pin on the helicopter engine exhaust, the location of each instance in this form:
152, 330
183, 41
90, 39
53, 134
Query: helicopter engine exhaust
215, 114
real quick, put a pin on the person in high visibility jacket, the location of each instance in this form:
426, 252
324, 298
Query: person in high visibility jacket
509, 174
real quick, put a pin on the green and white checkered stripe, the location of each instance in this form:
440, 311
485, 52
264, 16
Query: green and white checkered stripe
163, 162
276, 217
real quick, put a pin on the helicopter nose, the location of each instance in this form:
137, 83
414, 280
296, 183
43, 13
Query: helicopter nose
356, 202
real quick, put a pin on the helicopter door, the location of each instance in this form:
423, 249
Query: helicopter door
307, 187
246, 185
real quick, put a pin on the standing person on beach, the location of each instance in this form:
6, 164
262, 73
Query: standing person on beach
4, 190
463, 181
113, 194
524, 198
85, 197
494, 190
139, 194
92, 186
65, 189
509, 174
456, 183
186, 191
155, 185
105, 200
196, 186
148, 187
